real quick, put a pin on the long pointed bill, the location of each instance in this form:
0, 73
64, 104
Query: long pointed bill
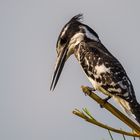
59, 67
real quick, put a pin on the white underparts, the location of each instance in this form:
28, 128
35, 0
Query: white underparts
94, 83
114, 90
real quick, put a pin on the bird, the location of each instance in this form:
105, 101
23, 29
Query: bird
100, 66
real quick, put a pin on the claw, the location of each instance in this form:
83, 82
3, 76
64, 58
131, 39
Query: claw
105, 101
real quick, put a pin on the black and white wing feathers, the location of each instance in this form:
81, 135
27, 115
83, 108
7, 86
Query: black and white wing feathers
104, 70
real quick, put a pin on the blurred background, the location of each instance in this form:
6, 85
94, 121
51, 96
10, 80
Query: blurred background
28, 35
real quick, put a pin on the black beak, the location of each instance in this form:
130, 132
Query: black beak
59, 67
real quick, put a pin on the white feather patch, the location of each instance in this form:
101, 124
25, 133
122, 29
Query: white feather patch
101, 69
65, 29
75, 40
89, 34
94, 83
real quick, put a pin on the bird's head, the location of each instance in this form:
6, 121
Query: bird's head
71, 35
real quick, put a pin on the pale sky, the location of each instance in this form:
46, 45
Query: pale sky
28, 35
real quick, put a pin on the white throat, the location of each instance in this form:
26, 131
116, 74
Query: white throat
78, 37
75, 40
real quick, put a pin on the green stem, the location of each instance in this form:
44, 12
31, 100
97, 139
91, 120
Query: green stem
112, 109
110, 135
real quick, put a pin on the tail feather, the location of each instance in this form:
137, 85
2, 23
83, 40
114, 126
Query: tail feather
135, 109
131, 108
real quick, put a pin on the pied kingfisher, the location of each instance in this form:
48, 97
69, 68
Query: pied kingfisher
100, 66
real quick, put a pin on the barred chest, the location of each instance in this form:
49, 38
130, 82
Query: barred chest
92, 65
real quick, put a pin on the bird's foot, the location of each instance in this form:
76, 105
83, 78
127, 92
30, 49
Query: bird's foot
105, 101
87, 90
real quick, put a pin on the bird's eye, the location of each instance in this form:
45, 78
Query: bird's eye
63, 41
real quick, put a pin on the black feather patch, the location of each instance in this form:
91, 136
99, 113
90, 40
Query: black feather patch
77, 18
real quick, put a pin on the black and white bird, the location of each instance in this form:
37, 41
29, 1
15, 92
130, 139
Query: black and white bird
100, 66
